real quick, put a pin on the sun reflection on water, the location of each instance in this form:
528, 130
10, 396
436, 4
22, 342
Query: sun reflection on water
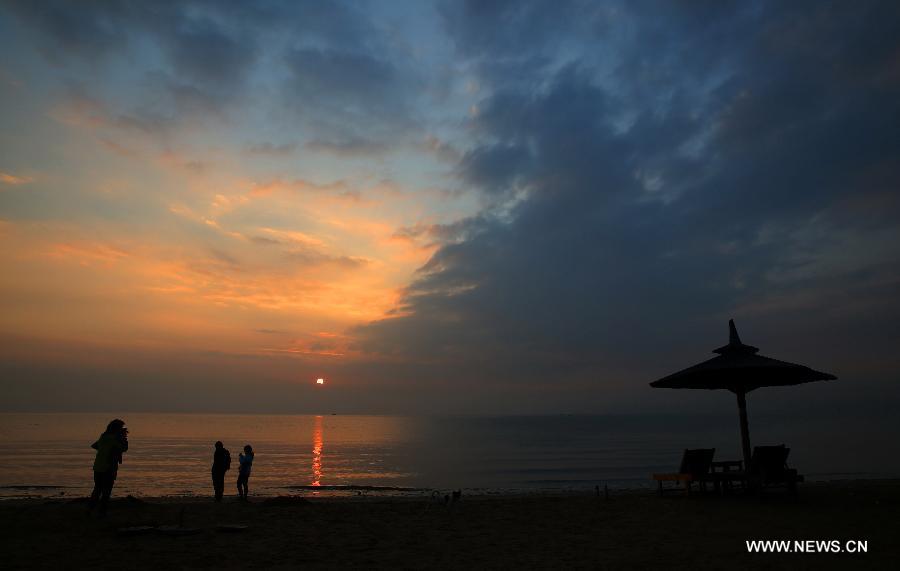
317, 453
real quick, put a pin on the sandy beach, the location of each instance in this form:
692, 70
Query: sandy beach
631, 530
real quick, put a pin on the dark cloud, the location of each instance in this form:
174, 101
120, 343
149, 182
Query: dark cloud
442, 234
353, 147
654, 215
88, 29
352, 95
496, 168
206, 58
205, 54
508, 28
348, 76
199, 49
272, 149
210, 51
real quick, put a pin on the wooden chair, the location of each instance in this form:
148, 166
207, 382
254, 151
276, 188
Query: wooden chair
695, 466
768, 468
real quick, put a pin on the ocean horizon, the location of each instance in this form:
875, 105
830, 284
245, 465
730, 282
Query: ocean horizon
49, 454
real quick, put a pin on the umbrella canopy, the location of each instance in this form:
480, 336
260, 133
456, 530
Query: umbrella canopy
739, 369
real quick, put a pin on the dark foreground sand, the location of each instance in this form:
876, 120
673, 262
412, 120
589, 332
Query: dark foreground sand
632, 530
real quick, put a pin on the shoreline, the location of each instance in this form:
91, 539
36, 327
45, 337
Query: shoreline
426, 496
387, 492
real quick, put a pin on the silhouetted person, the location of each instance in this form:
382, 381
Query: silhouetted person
246, 462
110, 447
221, 464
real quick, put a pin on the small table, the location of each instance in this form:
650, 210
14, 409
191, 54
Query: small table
726, 472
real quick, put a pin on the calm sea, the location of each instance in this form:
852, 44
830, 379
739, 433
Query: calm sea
50, 454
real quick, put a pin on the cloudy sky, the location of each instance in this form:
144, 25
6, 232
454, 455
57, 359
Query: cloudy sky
444, 206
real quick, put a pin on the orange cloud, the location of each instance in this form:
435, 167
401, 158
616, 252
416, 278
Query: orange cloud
87, 254
296, 185
323, 344
209, 258
292, 236
13, 180
147, 292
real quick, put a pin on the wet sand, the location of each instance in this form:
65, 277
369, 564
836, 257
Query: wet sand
632, 530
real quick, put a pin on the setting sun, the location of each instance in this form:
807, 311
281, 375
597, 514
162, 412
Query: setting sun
320, 381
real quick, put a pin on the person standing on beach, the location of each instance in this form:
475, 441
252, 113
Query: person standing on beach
110, 447
246, 462
221, 464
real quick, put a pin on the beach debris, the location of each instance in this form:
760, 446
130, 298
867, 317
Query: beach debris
280, 501
177, 530
231, 527
136, 530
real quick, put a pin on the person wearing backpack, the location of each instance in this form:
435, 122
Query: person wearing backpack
221, 464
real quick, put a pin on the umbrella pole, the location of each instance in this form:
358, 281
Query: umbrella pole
745, 427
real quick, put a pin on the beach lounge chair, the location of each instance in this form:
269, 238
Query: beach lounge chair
768, 468
694, 468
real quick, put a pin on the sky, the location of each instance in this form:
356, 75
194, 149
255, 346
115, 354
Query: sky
445, 207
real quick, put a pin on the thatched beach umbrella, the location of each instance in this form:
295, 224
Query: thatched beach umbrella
740, 370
